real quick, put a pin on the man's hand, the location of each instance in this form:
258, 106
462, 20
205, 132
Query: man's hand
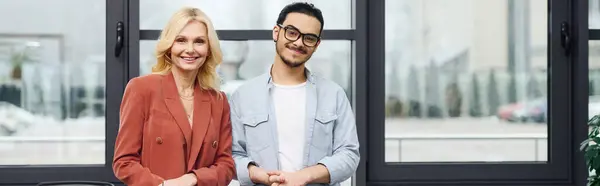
280, 178
258, 175
185, 180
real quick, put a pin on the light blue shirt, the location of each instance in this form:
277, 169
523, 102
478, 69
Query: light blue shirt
331, 138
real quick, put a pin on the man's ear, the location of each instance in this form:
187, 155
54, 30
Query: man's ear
275, 33
317, 46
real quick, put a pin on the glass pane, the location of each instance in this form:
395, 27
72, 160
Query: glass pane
593, 81
594, 78
244, 60
235, 14
467, 82
52, 82
594, 14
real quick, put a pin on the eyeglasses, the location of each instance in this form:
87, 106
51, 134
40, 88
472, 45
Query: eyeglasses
293, 34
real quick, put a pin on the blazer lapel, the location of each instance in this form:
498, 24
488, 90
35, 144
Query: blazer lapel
171, 98
202, 120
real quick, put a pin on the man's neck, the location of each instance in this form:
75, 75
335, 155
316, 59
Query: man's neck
285, 75
184, 80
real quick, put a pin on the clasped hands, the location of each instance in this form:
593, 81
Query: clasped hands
277, 178
185, 180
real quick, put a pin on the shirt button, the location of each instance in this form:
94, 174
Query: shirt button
159, 140
214, 144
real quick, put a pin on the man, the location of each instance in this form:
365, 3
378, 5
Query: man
291, 127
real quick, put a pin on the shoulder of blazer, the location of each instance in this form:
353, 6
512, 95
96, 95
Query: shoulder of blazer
150, 79
218, 100
215, 96
149, 83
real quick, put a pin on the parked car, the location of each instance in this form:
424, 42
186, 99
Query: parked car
532, 110
508, 112
537, 111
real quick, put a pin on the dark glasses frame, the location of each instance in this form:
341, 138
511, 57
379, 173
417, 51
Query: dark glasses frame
300, 35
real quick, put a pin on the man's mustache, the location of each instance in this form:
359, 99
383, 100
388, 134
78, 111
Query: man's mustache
301, 49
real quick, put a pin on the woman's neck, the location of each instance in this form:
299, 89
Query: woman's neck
184, 80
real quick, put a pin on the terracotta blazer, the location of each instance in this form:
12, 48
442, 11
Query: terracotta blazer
155, 141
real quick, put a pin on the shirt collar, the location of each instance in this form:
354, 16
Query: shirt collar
310, 77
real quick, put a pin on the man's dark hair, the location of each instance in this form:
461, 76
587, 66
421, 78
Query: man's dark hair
303, 8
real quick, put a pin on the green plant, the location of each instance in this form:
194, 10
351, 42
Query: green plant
17, 59
591, 147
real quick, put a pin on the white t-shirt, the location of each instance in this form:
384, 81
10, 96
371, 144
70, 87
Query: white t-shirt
290, 115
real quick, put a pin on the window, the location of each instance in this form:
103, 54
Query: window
467, 78
52, 86
594, 79
466, 93
473, 73
594, 14
234, 14
54, 100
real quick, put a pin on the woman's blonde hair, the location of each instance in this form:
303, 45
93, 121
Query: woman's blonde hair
207, 74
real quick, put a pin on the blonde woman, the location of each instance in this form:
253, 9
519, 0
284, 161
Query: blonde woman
174, 124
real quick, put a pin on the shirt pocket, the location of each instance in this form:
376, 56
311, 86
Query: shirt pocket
323, 130
257, 132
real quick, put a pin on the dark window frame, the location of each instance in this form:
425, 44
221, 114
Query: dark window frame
564, 164
368, 41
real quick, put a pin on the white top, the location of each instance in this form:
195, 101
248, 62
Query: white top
290, 115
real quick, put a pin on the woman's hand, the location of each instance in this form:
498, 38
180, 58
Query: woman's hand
185, 180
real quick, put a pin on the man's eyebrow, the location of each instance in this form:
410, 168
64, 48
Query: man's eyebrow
292, 26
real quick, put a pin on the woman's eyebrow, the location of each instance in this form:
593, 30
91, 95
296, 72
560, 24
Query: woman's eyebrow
197, 37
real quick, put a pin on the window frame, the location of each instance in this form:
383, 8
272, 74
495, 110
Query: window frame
565, 163
34, 174
368, 54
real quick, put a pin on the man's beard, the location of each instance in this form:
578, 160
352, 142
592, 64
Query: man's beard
289, 63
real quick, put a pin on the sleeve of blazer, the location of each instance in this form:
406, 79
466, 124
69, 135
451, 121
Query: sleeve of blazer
128, 145
222, 171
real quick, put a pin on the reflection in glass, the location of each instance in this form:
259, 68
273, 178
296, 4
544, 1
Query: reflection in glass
52, 82
467, 81
233, 14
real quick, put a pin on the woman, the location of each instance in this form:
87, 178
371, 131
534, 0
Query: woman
175, 127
